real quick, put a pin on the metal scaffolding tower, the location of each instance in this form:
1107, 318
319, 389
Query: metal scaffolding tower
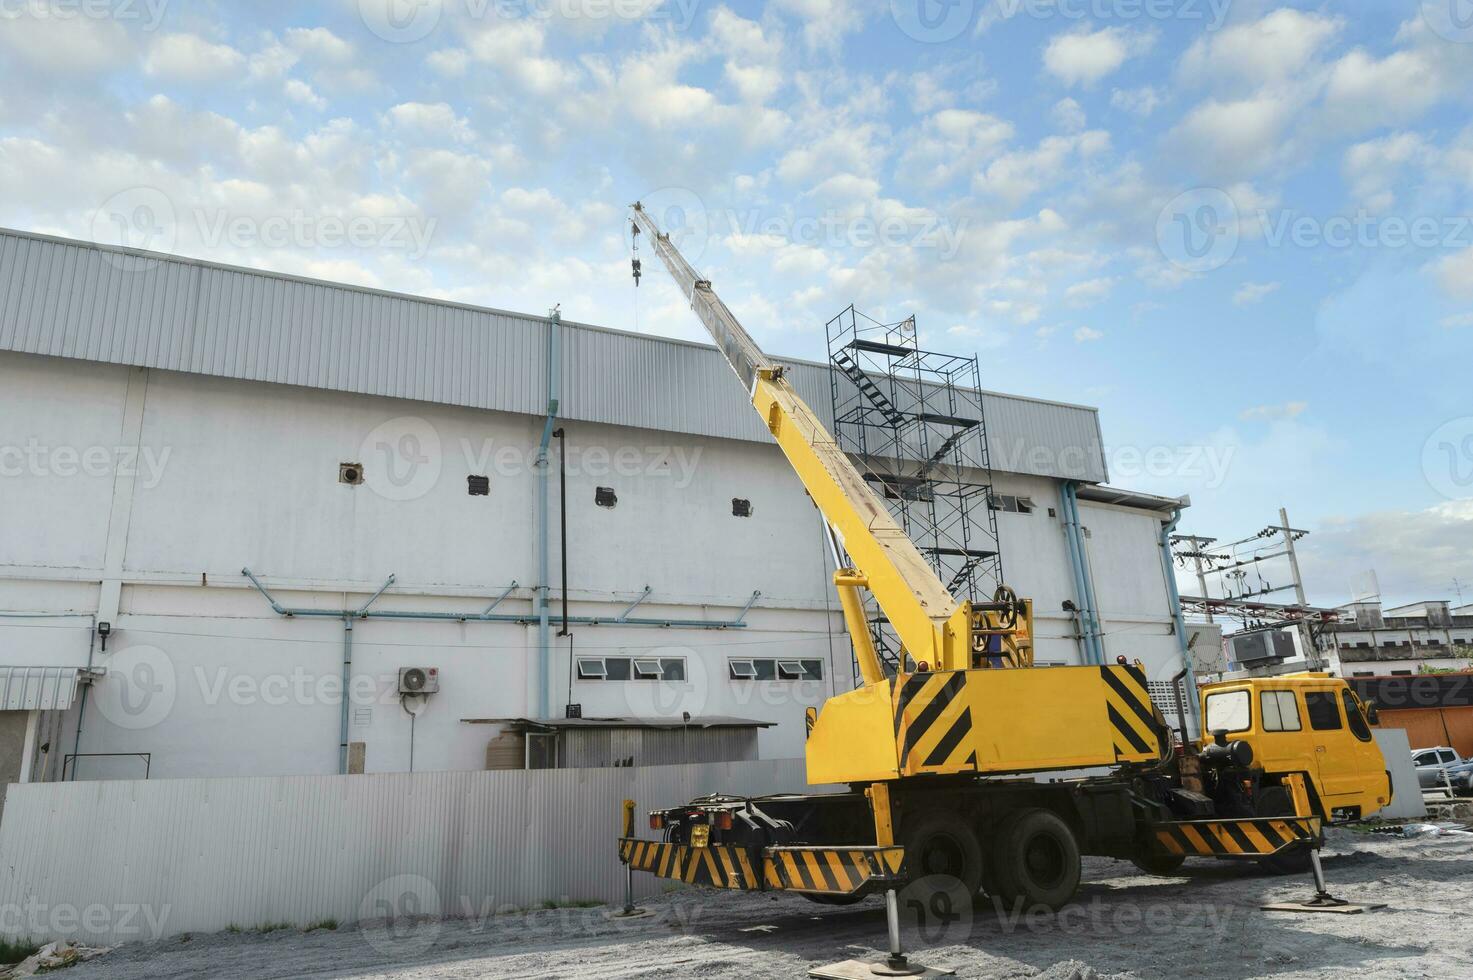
913, 422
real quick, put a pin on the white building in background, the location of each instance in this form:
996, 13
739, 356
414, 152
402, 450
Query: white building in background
1423, 636
166, 424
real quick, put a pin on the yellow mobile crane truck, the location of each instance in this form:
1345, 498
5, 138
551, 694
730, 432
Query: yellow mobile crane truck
939, 756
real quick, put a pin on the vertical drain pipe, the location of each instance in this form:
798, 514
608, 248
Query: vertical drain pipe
1095, 624
1071, 538
1093, 650
347, 681
544, 570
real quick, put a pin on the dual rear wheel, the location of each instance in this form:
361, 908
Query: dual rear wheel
1031, 858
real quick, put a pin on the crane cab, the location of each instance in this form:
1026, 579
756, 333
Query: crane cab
1310, 724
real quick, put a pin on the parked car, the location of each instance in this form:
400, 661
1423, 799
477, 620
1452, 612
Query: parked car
1433, 763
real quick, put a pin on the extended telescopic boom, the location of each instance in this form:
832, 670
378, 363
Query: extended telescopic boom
934, 627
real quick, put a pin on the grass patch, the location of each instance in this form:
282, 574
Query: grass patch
232, 928
14, 952
571, 904
266, 927
330, 925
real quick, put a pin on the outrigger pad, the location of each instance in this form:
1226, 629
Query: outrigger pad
880, 970
1336, 907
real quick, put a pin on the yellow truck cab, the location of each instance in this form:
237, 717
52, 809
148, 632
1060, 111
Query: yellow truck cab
1310, 724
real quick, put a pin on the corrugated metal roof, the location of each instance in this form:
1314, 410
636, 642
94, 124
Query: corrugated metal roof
67, 298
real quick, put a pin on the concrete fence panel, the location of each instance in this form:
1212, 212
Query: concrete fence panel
113, 861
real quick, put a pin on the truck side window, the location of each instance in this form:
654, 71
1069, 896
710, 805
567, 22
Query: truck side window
1324, 714
1280, 711
1357, 722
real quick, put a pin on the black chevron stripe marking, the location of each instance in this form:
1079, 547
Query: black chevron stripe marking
951, 740
1123, 728
931, 712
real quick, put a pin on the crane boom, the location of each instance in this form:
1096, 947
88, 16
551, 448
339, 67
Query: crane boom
934, 627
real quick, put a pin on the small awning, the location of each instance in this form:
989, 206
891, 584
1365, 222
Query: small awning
40, 688
556, 724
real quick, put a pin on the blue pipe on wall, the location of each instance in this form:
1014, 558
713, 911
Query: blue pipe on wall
1096, 623
1094, 649
1076, 566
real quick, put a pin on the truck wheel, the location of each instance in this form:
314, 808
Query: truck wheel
833, 899
1275, 801
1037, 861
943, 844
1159, 865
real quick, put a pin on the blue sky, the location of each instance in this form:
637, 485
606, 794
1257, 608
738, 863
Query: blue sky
1240, 228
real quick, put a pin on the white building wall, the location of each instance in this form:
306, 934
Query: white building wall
228, 474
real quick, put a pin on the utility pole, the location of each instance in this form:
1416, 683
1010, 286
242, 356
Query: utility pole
1311, 652
1197, 545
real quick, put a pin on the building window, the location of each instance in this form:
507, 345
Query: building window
631, 669
754, 669
1009, 504
605, 496
478, 486
740, 507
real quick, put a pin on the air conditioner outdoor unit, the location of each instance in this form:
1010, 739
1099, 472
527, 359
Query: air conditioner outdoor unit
419, 680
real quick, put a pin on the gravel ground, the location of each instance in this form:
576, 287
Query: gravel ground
1204, 923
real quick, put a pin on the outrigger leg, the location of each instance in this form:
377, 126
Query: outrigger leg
1323, 901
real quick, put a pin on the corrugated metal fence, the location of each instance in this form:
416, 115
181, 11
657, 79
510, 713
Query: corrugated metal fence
109, 862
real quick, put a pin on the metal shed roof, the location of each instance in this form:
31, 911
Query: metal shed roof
76, 299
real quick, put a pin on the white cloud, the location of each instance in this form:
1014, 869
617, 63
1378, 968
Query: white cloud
430, 120
1089, 292
1236, 139
1365, 91
1415, 553
1069, 116
1272, 49
1138, 101
299, 91
1254, 292
190, 58
71, 45
1274, 413
1455, 273
320, 44
450, 183
826, 22
1015, 176
1083, 58
451, 62
1373, 169
1457, 321
1085, 335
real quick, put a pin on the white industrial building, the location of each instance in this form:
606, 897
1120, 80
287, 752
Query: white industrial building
1373, 641
166, 424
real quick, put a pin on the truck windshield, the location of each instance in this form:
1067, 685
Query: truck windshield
1230, 711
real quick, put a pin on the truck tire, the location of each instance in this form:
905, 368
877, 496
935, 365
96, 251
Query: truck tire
1036, 861
943, 844
1275, 801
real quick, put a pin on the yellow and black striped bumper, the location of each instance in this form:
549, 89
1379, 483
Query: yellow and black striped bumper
814, 870
1236, 838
